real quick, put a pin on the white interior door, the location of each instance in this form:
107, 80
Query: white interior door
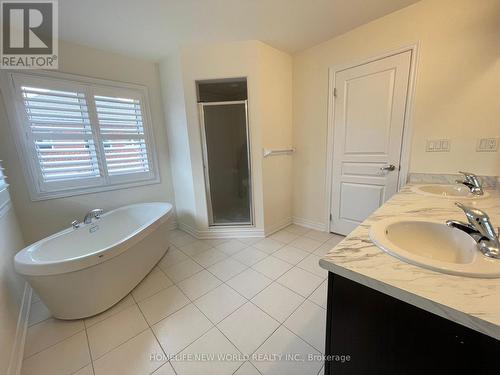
369, 114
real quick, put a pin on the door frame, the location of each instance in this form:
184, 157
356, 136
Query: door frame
407, 124
208, 197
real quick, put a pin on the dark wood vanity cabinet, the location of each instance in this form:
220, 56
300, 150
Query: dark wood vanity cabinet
369, 333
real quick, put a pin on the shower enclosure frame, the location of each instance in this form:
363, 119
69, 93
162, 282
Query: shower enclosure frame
211, 223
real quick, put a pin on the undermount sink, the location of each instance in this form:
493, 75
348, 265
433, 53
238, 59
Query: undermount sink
433, 245
447, 191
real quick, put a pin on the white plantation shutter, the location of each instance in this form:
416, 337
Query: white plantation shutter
122, 133
83, 135
3, 182
58, 127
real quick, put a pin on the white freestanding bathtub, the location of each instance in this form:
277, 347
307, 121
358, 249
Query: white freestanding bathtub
81, 272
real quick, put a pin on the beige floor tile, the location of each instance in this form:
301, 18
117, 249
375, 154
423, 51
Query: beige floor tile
247, 369
250, 256
87, 370
272, 267
182, 240
290, 254
66, 357
297, 229
278, 301
219, 303
199, 284
155, 281
122, 305
132, 358
318, 235
284, 341
250, 240
305, 244
194, 248
108, 334
211, 343
309, 323
162, 304
268, 245
181, 329
49, 332
300, 281
328, 245
231, 247
166, 369
283, 236
249, 282
209, 257
217, 241
226, 269
311, 264
319, 296
248, 327
172, 257
182, 270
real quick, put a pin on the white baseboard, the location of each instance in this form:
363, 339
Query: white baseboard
17, 354
278, 226
310, 224
226, 232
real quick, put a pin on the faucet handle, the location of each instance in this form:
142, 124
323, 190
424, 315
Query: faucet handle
480, 220
466, 173
472, 213
75, 224
98, 213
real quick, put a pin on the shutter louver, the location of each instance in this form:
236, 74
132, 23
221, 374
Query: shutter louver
60, 131
122, 133
3, 182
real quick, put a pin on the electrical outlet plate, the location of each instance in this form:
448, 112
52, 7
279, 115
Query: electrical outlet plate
438, 145
487, 144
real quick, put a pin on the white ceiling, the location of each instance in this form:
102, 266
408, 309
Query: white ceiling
152, 28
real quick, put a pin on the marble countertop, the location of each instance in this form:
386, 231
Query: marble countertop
472, 302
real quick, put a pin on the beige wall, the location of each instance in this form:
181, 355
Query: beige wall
178, 140
457, 90
269, 78
276, 122
39, 219
11, 285
227, 60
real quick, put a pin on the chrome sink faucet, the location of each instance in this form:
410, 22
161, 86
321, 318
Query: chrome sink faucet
480, 228
472, 182
95, 213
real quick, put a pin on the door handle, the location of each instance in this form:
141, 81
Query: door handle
388, 167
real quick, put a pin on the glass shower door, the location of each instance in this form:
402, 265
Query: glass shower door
226, 162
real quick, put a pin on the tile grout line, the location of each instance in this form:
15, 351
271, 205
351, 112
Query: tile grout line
90, 352
51, 345
154, 335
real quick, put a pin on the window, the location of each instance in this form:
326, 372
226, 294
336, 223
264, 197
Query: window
82, 136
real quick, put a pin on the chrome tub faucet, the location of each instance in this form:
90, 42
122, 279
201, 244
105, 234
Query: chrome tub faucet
480, 228
95, 213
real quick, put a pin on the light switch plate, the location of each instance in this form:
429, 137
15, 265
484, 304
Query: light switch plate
438, 145
487, 144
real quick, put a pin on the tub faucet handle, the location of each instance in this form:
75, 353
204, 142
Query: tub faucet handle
95, 213
75, 224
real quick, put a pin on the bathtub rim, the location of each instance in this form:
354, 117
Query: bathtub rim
24, 263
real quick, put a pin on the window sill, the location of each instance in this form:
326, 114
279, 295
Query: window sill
42, 196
